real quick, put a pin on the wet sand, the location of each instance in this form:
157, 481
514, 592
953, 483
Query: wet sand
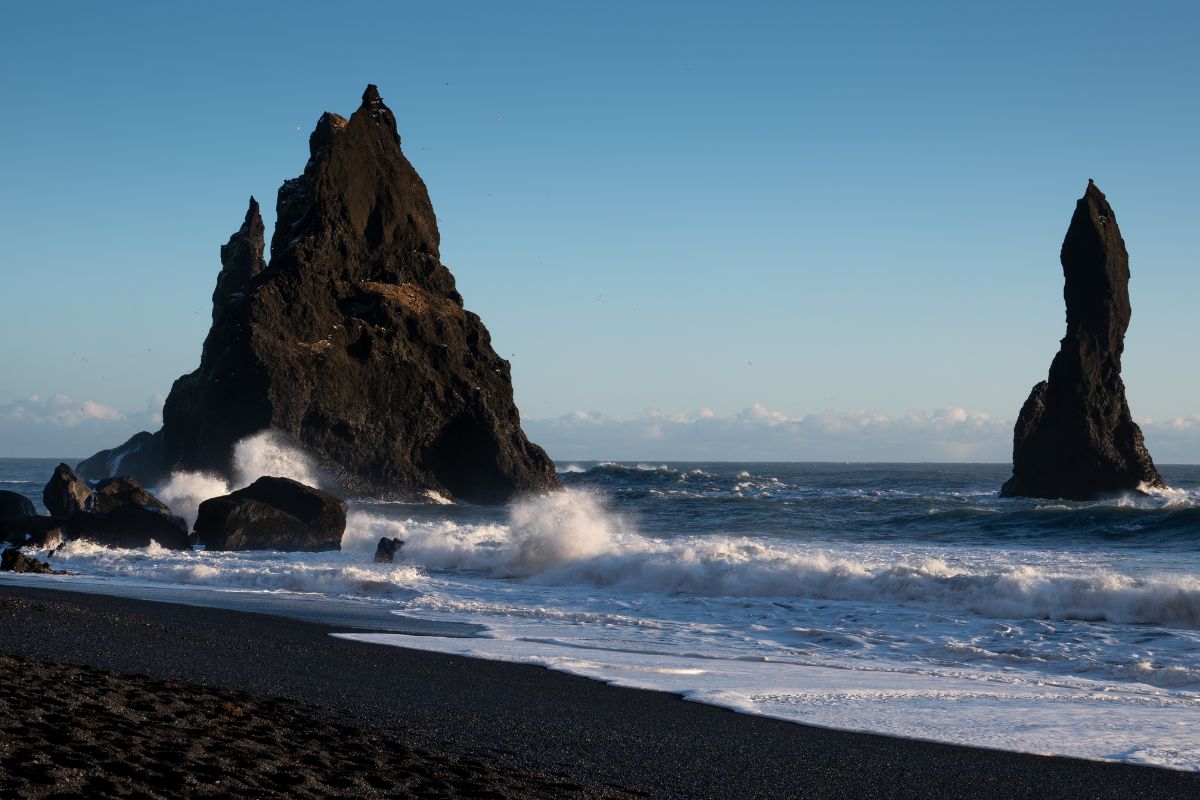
105, 696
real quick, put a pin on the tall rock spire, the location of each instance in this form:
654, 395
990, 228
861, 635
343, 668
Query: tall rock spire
1075, 437
353, 340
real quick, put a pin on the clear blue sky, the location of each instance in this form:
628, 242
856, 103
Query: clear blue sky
812, 207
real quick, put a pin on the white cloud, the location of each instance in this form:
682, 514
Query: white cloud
758, 433
58, 426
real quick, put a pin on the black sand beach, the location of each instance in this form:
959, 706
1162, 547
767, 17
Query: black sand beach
236, 705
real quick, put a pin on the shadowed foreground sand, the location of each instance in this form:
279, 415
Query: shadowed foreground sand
77, 732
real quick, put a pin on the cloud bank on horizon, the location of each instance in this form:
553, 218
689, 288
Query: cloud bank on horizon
58, 427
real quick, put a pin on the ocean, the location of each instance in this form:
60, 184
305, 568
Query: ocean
903, 599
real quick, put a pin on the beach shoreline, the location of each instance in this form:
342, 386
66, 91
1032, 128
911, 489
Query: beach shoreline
528, 720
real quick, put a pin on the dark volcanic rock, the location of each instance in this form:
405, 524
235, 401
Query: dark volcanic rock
272, 514
66, 493
118, 512
15, 505
354, 341
112, 493
130, 525
385, 551
31, 531
142, 457
1075, 438
13, 560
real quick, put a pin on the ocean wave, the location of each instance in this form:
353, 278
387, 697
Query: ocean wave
570, 537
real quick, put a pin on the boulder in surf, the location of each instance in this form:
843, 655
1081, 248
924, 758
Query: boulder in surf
272, 514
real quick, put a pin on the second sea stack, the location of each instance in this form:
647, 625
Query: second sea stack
352, 341
1075, 438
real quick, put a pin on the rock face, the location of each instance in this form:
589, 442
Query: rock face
118, 512
32, 531
353, 341
66, 493
142, 456
130, 526
272, 514
13, 505
1075, 438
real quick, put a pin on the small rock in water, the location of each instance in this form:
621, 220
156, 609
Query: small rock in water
13, 560
385, 553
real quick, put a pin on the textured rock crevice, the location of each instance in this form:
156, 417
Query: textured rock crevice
1075, 437
352, 340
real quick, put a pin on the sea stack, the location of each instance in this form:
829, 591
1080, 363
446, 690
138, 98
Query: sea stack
352, 341
1075, 438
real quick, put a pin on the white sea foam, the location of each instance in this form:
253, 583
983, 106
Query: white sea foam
185, 491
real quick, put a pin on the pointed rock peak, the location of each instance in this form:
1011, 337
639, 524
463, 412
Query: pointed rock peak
373, 104
1093, 193
1093, 218
1075, 437
253, 215
322, 136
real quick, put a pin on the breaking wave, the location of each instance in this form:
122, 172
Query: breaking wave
569, 538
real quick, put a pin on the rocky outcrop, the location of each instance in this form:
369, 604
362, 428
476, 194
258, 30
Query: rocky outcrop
1075, 438
117, 512
272, 514
66, 493
13, 560
130, 526
353, 340
32, 531
386, 550
142, 457
13, 505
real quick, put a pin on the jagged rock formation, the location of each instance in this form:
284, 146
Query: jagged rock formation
66, 494
1075, 438
272, 514
353, 341
116, 512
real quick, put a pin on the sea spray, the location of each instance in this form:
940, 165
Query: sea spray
264, 453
